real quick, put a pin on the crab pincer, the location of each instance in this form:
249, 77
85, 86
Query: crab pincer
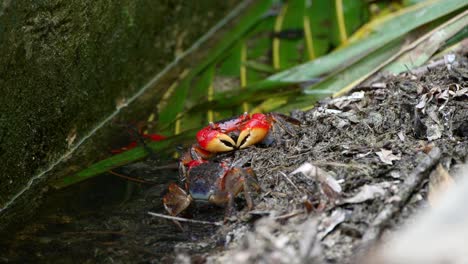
243, 131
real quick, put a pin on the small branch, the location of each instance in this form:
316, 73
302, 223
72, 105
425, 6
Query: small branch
289, 215
175, 218
289, 180
425, 68
407, 189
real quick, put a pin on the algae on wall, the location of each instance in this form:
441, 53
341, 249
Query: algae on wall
64, 65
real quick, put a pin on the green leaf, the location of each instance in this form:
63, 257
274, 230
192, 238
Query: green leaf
259, 67
122, 159
289, 51
175, 105
425, 49
227, 100
457, 38
349, 16
231, 65
202, 89
319, 16
392, 28
349, 77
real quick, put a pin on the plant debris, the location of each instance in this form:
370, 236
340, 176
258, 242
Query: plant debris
337, 140
386, 156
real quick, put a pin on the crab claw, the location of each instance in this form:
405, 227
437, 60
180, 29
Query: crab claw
215, 141
176, 200
254, 131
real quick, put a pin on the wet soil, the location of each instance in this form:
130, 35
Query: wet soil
361, 152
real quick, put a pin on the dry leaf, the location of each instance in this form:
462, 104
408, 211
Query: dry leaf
434, 127
401, 135
328, 224
461, 92
367, 192
329, 187
439, 182
342, 102
322, 176
362, 155
386, 156
422, 102
379, 85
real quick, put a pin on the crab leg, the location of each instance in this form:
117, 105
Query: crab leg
176, 200
229, 207
283, 121
236, 181
248, 181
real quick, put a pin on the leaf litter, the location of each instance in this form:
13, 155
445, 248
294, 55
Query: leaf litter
377, 193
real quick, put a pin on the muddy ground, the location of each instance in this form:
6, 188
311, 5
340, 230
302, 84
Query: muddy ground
366, 154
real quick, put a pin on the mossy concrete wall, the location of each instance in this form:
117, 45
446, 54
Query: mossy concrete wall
66, 64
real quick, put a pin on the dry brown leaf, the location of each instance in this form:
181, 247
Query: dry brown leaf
386, 156
440, 182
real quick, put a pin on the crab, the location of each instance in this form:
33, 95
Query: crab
210, 179
214, 182
241, 132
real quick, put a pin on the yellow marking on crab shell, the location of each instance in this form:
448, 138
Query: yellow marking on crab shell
252, 136
216, 145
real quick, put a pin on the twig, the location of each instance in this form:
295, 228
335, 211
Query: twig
175, 218
408, 187
425, 68
289, 180
289, 215
338, 164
